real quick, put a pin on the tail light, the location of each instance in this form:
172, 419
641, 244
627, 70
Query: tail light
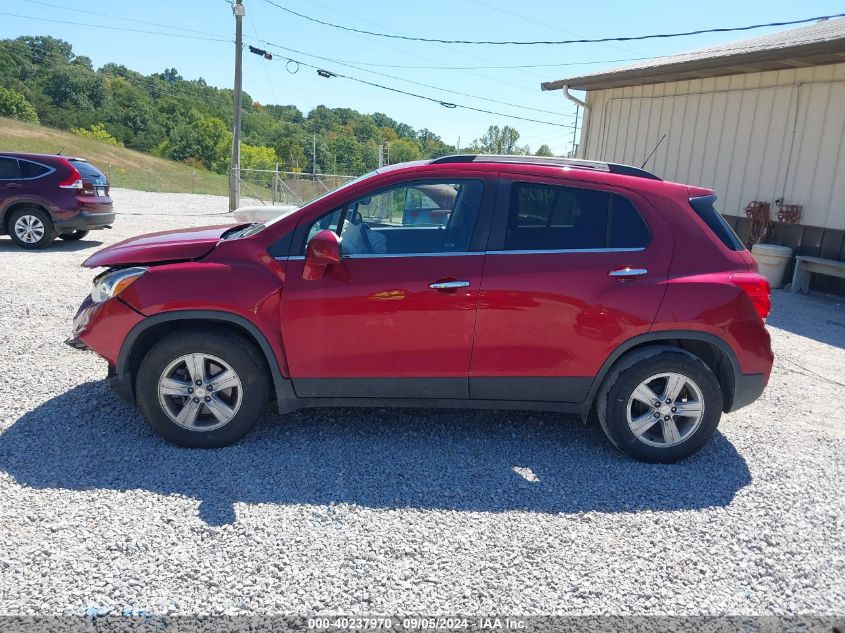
756, 287
74, 179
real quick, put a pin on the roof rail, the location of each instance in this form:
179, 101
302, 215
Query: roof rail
574, 163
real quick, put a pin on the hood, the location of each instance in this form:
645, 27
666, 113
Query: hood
166, 246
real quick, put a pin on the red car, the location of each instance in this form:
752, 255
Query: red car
44, 196
553, 285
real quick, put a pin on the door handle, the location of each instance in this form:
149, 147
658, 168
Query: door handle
13, 185
448, 285
627, 272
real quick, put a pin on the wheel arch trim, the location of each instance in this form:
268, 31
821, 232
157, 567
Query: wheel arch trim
662, 335
281, 385
11, 205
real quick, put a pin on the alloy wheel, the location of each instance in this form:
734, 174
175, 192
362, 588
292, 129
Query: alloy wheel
200, 392
665, 409
29, 229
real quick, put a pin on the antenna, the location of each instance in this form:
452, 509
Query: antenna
59, 153
648, 158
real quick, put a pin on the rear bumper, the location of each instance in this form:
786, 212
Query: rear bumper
86, 221
747, 388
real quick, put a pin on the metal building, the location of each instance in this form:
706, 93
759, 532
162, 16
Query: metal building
762, 119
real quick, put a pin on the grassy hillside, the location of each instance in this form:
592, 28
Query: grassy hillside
125, 167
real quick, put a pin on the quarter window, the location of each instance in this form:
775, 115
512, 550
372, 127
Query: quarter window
33, 170
550, 217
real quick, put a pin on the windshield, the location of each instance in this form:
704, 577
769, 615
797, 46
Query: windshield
258, 227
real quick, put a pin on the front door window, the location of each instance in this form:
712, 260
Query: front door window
413, 218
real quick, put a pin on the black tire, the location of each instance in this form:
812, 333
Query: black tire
32, 216
628, 374
73, 236
233, 349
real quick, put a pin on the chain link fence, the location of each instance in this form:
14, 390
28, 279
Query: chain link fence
182, 181
287, 187
260, 186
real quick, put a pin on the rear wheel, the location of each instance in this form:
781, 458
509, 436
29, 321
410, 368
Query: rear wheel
31, 228
202, 389
660, 405
73, 236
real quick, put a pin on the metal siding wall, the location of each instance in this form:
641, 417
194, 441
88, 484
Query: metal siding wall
804, 240
735, 135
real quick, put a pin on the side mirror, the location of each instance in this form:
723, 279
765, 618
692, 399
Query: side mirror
322, 250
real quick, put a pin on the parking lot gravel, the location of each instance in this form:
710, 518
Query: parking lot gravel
396, 511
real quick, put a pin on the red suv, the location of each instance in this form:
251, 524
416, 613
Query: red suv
553, 285
44, 196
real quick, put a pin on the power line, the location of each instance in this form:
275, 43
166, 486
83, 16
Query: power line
446, 104
515, 67
451, 51
166, 90
545, 24
411, 81
115, 28
99, 14
629, 38
266, 71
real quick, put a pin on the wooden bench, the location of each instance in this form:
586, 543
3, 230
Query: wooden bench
805, 265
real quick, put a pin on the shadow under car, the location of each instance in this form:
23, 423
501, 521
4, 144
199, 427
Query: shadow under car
488, 461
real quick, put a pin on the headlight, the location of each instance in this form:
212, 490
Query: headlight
110, 284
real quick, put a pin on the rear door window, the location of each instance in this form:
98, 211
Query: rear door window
626, 228
9, 169
552, 217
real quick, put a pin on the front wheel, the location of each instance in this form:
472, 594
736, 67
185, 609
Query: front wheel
660, 405
73, 236
202, 389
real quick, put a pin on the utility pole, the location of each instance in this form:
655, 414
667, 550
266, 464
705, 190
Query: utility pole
314, 158
575, 132
235, 166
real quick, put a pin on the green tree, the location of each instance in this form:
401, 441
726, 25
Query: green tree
543, 150
404, 150
205, 139
257, 157
130, 115
75, 86
498, 140
14, 105
290, 154
170, 75
47, 50
347, 154
98, 133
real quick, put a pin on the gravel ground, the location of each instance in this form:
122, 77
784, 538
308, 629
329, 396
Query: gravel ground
381, 511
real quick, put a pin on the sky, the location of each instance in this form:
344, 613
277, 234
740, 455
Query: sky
282, 82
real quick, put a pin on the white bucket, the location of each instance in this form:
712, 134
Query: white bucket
772, 260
